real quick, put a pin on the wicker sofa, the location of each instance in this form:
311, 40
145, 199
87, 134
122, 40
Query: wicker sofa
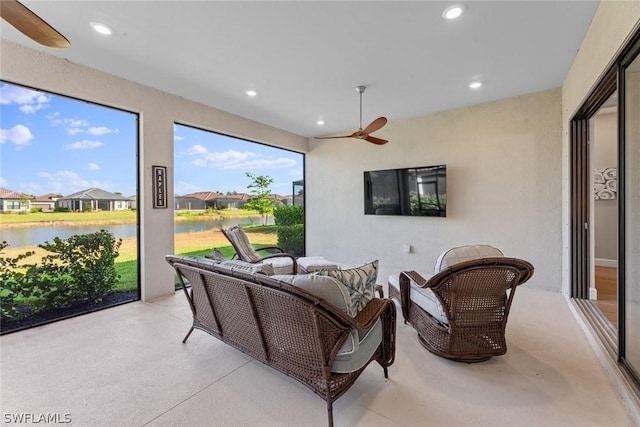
299, 325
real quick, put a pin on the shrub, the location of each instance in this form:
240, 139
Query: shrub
289, 215
290, 228
291, 239
80, 268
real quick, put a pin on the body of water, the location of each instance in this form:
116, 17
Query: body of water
33, 236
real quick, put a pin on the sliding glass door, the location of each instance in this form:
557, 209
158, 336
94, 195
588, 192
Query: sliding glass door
630, 235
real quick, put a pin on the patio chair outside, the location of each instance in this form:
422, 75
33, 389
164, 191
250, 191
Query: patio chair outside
282, 263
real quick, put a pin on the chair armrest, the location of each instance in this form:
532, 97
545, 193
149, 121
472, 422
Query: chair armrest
270, 249
405, 279
416, 278
379, 290
370, 313
385, 310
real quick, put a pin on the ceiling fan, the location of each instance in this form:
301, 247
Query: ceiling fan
31, 25
364, 133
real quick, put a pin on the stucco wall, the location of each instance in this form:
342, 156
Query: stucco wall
503, 188
157, 112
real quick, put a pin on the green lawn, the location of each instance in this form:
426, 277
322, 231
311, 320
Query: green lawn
126, 263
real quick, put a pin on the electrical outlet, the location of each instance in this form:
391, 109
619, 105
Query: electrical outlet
407, 248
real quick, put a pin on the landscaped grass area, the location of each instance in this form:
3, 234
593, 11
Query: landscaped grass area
195, 244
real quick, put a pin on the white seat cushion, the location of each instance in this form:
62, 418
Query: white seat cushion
281, 265
464, 253
311, 264
422, 297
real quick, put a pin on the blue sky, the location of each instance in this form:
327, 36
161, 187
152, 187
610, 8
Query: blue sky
54, 144
207, 161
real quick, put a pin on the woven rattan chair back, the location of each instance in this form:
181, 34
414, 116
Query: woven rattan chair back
476, 297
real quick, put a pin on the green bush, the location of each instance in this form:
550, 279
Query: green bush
80, 268
291, 239
289, 215
290, 228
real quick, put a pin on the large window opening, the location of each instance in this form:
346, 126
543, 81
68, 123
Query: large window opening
68, 222
221, 181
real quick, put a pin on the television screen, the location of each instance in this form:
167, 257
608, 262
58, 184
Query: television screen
420, 191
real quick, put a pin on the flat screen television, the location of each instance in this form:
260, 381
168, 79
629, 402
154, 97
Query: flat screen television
420, 191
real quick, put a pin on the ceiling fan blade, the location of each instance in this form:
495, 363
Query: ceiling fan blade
353, 135
31, 25
374, 140
375, 125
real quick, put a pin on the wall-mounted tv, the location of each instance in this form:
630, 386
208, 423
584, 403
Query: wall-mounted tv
420, 191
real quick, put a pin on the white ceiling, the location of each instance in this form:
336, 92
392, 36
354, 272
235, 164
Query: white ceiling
305, 58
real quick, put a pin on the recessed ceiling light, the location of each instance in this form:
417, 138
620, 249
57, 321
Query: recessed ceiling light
475, 85
252, 93
101, 28
320, 122
453, 12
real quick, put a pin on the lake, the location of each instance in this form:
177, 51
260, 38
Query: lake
33, 236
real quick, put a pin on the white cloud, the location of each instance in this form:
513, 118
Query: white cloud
197, 149
263, 164
93, 167
29, 101
182, 188
232, 159
19, 135
68, 182
101, 130
85, 144
229, 159
3, 182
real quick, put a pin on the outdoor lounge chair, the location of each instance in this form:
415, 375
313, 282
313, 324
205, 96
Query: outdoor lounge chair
461, 312
282, 263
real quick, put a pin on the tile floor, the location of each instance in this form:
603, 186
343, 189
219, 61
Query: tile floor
126, 366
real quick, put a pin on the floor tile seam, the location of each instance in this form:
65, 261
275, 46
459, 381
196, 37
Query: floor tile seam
191, 396
164, 311
396, 422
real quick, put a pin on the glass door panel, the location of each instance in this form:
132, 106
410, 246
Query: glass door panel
632, 215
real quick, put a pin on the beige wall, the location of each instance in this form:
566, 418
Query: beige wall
157, 112
612, 25
503, 188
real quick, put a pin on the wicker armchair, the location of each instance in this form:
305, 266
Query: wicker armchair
473, 300
282, 263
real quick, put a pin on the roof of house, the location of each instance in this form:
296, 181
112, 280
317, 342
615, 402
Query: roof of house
94, 194
8, 194
204, 195
49, 197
